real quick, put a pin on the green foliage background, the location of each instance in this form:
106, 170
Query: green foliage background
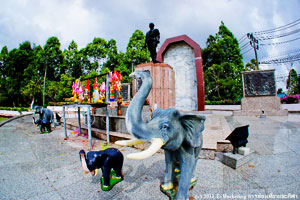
22, 70
222, 65
293, 83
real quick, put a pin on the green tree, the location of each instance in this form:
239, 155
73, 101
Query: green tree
252, 65
292, 82
95, 55
222, 64
4, 98
72, 60
3, 60
32, 85
18, 61
124, 67
136, 51
58, 90
297, 88
112, 55
53, 59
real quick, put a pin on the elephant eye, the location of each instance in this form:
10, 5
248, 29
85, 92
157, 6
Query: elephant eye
164, 126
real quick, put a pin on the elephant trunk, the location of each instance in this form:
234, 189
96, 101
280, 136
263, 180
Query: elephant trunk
32, 103
33, 120
83, 161
134, 122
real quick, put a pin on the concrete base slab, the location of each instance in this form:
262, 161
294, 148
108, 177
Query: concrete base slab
244, 151
236, 160
257, 113
255, 106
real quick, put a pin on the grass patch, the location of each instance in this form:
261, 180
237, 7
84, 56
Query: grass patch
3, 118
15, 108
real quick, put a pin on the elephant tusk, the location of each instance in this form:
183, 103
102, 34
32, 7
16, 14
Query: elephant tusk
167, 186
156, 144
95, 172
129, 142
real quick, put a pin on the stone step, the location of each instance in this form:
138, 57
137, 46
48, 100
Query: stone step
214, 134
114, 136
112, 116
100, 134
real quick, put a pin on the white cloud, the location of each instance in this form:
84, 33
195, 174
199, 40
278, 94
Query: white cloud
68, 22
82, 20
36, 21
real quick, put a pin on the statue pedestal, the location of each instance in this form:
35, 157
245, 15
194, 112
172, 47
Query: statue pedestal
163, 88
236, 160
253, 106
260, 94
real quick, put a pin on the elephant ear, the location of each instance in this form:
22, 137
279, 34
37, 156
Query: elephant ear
193, 125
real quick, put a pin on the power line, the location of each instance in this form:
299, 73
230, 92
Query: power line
279, 36
281, 54
241, 40
247, 51
294, 23
280, 42
256, 37
244, 36
245, 46
292, 58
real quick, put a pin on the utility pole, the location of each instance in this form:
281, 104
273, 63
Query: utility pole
45, 82
254, 44
132, 54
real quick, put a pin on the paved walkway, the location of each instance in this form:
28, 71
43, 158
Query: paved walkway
35, 166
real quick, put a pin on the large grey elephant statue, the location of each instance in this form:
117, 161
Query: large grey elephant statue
180, 135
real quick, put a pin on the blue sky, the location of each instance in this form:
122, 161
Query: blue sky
82, 20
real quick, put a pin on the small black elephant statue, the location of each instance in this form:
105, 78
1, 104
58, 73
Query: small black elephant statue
45, 125
179, 134
110, 161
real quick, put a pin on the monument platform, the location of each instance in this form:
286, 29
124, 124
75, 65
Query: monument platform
254, 106
260, 95
236, 160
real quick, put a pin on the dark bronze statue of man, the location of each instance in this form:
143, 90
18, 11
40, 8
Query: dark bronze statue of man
152, 39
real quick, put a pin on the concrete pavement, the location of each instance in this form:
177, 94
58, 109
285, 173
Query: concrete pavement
35, 166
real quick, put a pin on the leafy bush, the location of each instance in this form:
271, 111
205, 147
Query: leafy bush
289, 99
223, 102
19, 109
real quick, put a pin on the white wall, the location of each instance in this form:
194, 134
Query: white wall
181, 58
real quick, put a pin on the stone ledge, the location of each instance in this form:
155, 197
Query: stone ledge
224, 146
207, 154
236, 160
101, 134
114, 136
257, 113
